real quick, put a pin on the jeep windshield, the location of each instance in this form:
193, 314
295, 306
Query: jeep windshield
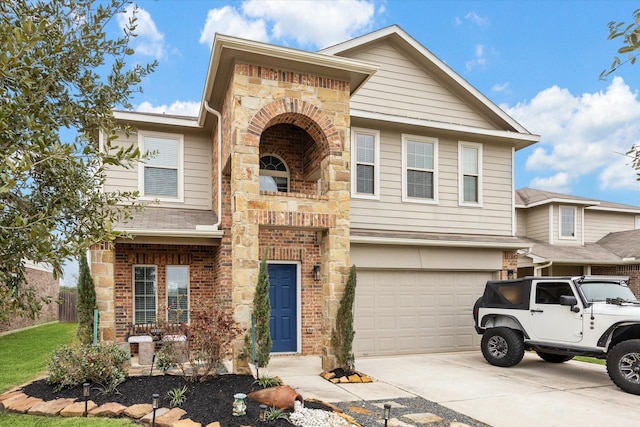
603, 291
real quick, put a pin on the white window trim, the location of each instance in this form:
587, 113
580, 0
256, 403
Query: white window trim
428, 140
166, 299
575, 219
279, 174
180, 139
133, 282
376, 166
461, 146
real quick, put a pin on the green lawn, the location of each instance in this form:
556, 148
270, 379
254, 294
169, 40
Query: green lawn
591, 360
24, 356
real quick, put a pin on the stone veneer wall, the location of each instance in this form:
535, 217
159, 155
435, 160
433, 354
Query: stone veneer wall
44, 284
102, 271
259, 98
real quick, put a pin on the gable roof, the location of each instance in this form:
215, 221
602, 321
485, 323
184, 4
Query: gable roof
531, 197
427, 61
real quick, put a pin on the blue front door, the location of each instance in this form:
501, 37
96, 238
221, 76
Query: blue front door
284, 307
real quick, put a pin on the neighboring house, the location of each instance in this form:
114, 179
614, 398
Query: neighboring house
40, 278
571, 236
372, 152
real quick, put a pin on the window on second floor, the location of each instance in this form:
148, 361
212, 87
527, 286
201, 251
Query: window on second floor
470, 174
274, 175
419, 166
161, 174
567, 222
365, 159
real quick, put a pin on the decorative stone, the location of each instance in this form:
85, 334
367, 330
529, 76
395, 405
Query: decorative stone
138, 411
187, 422
167, 419
50, 408
110, 410
77, 409
148, 419
11, 397
355, 378
327, 375
424, 418
360, 410
21, 403
213, 424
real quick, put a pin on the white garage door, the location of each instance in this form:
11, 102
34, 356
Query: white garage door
405, 312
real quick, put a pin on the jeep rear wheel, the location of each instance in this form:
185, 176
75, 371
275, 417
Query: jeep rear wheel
502, 347
623, 366
553, 358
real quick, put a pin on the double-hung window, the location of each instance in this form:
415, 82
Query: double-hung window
145, 280
419, 165
177, 294
567, 222
365, 154
161, 173
470, 173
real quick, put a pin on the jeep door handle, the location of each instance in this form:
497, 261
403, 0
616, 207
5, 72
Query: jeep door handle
537, 311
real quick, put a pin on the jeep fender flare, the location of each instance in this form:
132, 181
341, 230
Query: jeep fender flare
619, 331
503, 320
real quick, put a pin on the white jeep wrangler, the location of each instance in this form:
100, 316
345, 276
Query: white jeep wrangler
562, 317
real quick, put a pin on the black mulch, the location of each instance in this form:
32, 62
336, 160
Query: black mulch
206, 402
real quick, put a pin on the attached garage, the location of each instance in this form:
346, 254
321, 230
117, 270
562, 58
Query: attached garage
418, 299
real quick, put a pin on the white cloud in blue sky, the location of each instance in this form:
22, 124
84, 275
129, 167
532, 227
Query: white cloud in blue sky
148, 41
582, 134
179, 108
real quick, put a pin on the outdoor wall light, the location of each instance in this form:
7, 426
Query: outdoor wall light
85, 394
155, 397
263, 413
387, 413
510, 273
316, 272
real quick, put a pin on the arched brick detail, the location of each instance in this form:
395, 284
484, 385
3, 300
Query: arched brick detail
299, 113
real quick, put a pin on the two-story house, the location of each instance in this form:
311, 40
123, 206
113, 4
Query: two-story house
371, 153
571, 236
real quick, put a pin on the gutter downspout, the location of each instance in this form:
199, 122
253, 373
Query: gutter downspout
219, 126
538, 270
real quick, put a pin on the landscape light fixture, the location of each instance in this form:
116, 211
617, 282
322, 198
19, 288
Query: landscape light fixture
316, 272
155, 397
85, 394
263, 413
387, 413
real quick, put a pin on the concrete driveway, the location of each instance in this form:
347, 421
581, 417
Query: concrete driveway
533, 393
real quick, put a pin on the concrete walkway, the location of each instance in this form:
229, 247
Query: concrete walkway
533, 393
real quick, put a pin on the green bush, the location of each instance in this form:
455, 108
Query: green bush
101, 365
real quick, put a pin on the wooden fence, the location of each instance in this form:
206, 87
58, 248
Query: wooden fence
67, 307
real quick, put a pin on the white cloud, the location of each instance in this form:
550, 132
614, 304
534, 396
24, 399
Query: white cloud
477, 19
583, 134
178, 108
560, 183
310, 24
227, 20
149, 41
501, 87
479, 60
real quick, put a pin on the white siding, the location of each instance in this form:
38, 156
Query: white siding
537, 221
401, 88
197, 172
521, 223
598, 224
391, 213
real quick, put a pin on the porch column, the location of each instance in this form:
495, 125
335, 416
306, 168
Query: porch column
102, 272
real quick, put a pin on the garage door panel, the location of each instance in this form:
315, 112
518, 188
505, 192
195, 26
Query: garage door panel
405, 312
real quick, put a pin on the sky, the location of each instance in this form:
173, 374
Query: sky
539, 61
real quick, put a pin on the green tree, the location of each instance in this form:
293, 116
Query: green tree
86, 302
343, 334
630, 35
60, 78
262, 315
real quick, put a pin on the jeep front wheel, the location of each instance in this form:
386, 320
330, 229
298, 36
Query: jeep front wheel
623, 366
502, 347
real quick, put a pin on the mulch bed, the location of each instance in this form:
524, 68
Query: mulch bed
206, 402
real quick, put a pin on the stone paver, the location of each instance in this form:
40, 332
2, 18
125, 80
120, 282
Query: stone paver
147, 419
77, 409
138, 411
423, 418
110, 410
394, 422
21, 403
170, 417
9, 395
51, 407
187, 422
213, 424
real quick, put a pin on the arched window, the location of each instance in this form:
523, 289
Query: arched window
274, 175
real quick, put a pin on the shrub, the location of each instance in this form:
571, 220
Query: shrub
86, 302
99, 364
177, 396
165, 360
211, 332
342, 338
262, 315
